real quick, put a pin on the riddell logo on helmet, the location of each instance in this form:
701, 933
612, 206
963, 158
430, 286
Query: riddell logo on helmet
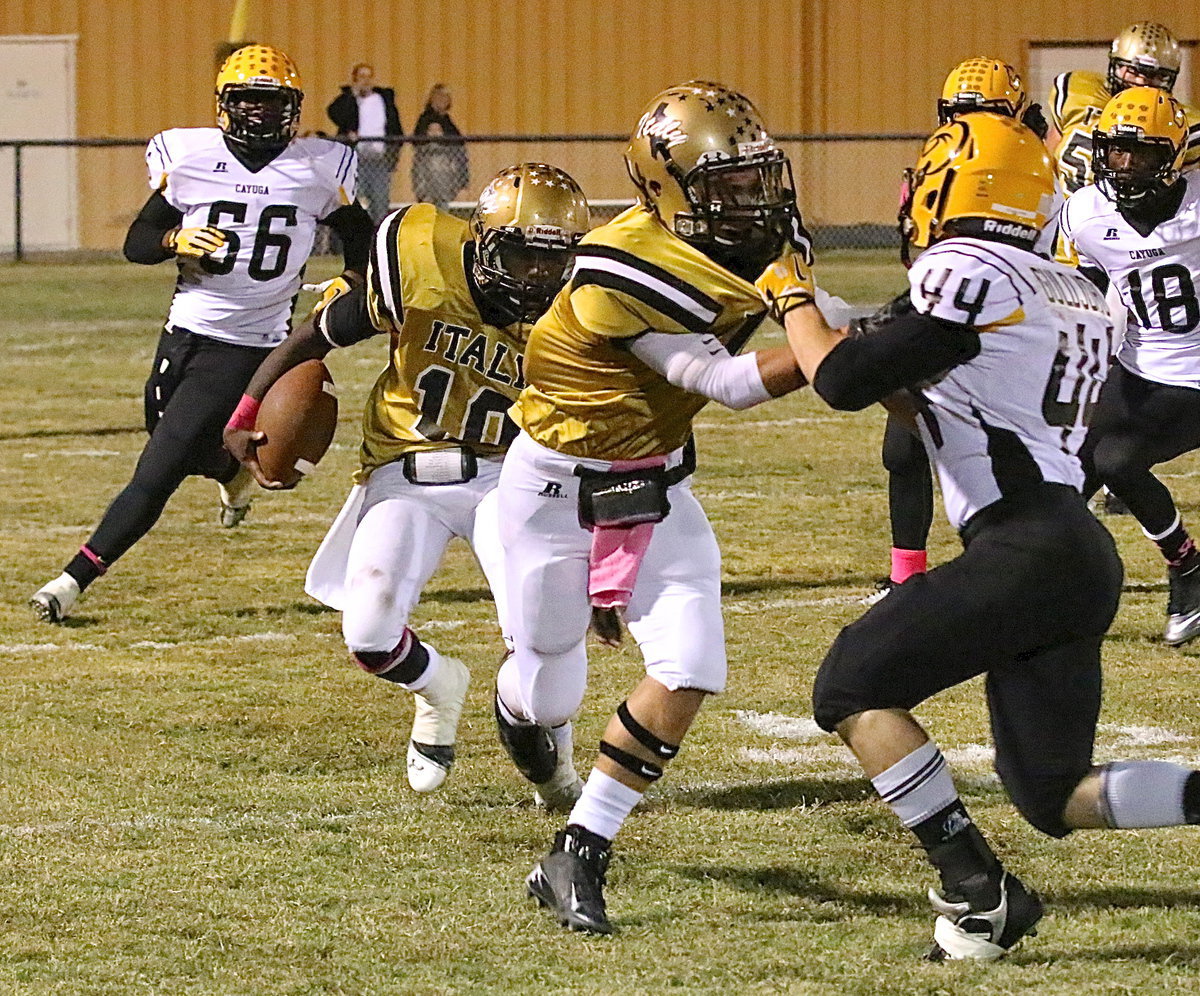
1009, 228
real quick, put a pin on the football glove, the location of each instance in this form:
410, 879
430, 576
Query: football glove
195, 243
897, 307
1035, 121
787, 283
330, 290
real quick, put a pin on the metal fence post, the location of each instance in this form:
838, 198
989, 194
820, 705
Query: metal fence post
18, 246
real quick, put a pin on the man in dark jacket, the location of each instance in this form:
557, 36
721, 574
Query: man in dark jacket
362, 112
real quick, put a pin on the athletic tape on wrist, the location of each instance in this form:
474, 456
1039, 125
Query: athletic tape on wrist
245, 413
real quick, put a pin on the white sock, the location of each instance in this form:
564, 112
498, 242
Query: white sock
918, 785
604, 805
1144, 793
564, 738
429, 674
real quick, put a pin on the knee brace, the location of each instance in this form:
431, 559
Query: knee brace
651, 771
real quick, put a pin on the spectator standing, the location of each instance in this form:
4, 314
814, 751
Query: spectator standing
361, 112
439, 169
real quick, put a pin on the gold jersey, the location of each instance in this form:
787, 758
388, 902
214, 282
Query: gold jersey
588, 395
1076, 100
451, 377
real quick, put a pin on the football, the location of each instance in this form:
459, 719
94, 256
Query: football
299, 416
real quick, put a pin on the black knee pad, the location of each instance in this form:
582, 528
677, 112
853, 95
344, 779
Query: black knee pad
832, 699
902, 451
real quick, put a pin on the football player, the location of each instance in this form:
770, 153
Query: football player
597, 516
978, 84
457, 300
1144, 54
999, 364
1138, 227
236, 208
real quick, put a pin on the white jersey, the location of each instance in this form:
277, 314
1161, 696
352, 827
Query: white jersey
245, 293
1156, 276
1017, 413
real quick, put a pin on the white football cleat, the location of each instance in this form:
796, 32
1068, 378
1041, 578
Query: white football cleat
235, 498
53, 602
437, 708
560, 792
961, 933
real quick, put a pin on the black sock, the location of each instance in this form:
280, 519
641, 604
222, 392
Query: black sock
1179, 550
84, 569
391, 666
963, 859
586, 837
1191, 798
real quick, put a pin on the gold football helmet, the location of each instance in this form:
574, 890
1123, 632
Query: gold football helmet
983, 175
702, 161
1147, 49
526, 226
258, 97
1138, 144
981, 84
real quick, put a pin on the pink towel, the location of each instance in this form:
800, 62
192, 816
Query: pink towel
617, 551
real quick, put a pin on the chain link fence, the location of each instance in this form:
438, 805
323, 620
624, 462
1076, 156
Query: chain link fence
82, 194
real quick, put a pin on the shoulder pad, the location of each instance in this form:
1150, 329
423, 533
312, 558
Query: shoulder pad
970, 282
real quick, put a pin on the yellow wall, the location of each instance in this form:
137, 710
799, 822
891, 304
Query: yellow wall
551, 66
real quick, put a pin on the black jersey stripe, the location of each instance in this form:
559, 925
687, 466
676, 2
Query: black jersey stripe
1060, 98
344, 164
385, 269
672, 280
1013, 466
639, 291
160, 147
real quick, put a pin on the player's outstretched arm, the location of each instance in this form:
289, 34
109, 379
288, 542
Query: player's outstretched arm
702, 365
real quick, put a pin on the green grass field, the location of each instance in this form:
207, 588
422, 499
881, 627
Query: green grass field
201, 795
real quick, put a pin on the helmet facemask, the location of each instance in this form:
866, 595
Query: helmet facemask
259, 117
1151, 75
523, 270
740, 208
1131, 168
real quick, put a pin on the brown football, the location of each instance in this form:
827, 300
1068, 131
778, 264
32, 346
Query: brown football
299, 416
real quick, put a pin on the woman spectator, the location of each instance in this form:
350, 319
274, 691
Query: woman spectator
439, 169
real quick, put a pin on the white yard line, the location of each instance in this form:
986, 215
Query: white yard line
825, 753
745, 608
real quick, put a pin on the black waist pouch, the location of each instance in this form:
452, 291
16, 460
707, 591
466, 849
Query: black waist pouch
622, 497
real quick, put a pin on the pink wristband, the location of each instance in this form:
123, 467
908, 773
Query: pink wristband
245, 413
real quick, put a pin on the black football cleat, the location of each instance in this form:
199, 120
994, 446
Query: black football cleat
531, 747
1183, 606
569, 881
966, 931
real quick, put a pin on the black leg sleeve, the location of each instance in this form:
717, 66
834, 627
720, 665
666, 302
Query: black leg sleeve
188, 405
910, 486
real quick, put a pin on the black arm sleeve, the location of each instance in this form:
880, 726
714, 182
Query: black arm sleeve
1096, 276
346, 320
143, 241
860, 371
354, 227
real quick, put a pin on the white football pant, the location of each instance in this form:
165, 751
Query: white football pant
373, 565
674, 614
